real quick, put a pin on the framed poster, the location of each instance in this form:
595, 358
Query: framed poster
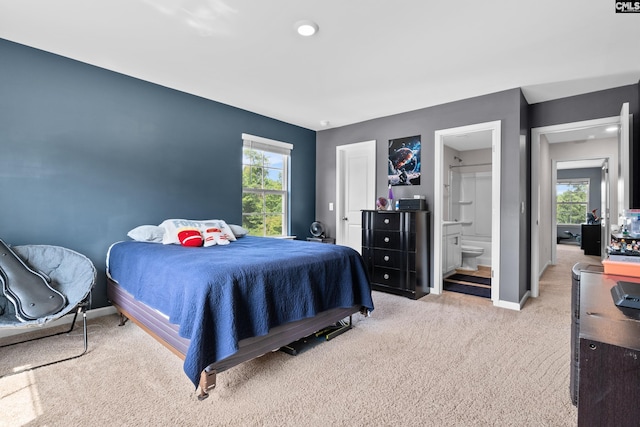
404, 161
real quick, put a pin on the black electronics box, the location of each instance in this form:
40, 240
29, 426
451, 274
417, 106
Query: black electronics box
412, 205
626, 294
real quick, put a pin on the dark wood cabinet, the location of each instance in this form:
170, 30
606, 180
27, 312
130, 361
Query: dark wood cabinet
591, 238
576, 271
395, 250
608, 368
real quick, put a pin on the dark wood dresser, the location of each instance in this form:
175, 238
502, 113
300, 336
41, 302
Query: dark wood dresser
395, 248
590, 239
608, 370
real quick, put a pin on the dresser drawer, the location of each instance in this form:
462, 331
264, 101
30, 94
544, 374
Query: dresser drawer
386, 221
411, 258
387, 239
387, 258
388, 277
392, 240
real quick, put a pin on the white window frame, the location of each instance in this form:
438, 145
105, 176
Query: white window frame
565, 181
278, 147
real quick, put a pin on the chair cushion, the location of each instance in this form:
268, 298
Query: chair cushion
71, 273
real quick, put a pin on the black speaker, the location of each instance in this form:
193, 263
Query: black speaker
412, 205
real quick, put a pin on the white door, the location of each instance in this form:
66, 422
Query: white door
623, 160
355, 190
604, 209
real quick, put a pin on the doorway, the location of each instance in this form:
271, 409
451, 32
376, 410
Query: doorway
580, 211
466, 138
355, 190
606, 138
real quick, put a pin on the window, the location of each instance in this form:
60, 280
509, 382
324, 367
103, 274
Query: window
572, 199
265, 186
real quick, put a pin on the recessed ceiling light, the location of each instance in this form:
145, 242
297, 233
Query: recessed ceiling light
306, 28
324, 123
612, 129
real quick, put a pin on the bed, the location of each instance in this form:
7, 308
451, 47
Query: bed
218, 306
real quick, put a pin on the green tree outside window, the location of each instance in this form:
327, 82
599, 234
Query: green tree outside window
572, 200
264, 198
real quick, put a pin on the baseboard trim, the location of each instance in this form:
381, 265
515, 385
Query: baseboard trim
64, 320
544, 268
513, 305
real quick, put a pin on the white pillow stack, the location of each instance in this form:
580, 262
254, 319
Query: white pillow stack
213, 231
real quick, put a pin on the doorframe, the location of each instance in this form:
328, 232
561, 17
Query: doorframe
604, 221
496, 148
369, 147
536, 134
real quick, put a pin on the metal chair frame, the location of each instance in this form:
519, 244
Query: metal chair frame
81, 308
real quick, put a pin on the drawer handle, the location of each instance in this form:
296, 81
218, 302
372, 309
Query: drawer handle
386, 240
386, 220
386, 276
386, 257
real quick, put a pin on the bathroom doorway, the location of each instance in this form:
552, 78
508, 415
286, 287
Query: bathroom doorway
467, 209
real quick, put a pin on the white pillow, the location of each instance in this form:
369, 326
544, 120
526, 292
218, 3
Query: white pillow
173, 226
238, 231
147, 233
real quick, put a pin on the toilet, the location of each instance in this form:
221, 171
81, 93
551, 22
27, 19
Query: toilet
470, 256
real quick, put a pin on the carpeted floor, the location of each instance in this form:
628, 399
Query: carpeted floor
447, 360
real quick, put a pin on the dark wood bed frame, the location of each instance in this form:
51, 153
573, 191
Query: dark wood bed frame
158, 326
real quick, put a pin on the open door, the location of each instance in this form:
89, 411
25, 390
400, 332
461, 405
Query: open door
623, 161
605, 228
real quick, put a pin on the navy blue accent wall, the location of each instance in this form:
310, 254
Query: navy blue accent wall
87, 154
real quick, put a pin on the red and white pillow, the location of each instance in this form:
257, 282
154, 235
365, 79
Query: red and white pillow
212, 232
190, 236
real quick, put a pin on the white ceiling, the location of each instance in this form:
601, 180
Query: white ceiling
369, 59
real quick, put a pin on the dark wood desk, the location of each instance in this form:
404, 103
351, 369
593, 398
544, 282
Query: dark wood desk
609, 360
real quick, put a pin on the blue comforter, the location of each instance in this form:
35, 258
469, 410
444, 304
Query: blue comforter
219, 295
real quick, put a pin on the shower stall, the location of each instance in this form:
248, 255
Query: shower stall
470, 204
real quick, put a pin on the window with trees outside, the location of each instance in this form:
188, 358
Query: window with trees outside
265, 186
572, 199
